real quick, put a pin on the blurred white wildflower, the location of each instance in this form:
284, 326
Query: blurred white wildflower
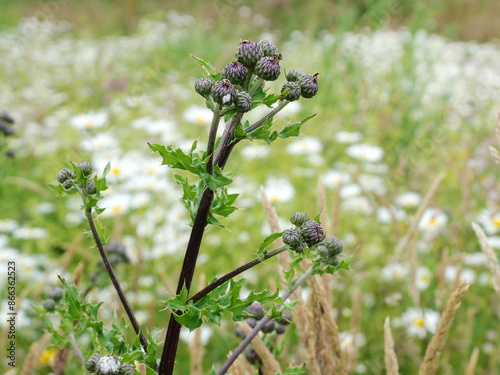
255, 151
29, 233
116, 204
360, 369
91, 120
372, 183
187, 337
7, 225
279, 190
291, 109
490, 221
45, 208
408, 200
349, 342
432, 220
334, 179
423, 278
198, 115
418, 322
350, 191
348, 137
475, 259
386, 216
357, 204
395, 272
365, 152
99, 143
466, 274
494, 242
305, 146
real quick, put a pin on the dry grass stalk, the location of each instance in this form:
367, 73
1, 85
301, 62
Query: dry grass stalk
490, 254
391, 361
351, 356
496, 151
405, 241
471, 366
32, 358
433, 351
242, 367
269, 363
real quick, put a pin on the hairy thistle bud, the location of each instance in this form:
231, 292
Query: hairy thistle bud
252, 356
279, 329
243, 102
294, 75
299, 218
291, 91
68, 184
268, 67
92, 362
126, 369
268, 48
86, 168
223, 92
108, 365
252, 322
256, 310
236, 72
240, 333
269, 326
203, 86
311, 233
65, 174
90, 188
333, 244
7, 118
309, 85
49, 304
249, 53
292, 237
56, 294
299, 248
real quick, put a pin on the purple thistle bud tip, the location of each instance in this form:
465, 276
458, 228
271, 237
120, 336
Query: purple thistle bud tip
243, 101
249, 53
299, 218
311, 233
236, 72
291, 91
86, 168
256, 310
268, 48
223, 92
292, 238
268, 67
309, 85
203, 86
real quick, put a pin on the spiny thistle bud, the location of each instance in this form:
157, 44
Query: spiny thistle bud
309, 85
256, 310
240, 333
252, 356
68, 184
56, 294
333, 244
292, 237
92, 362
90, 188
86, 168
108, 365
49, 304
65, 174
269, 326
299, 218
268, 48
311, 233
243, 101
294, 75
236, 72
279, 329
268, 67
203, 86
249, 53
7, 118
126, 369
252, 322
291, 91
223, 92
299, 248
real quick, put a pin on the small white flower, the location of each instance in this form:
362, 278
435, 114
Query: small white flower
408, 200
357, 204
206, 332
385, 216
305, 146
198, 115
395, 271
423, 278
290, 110
334, 179
372, 183
29, 233
466, 274
100, 142
45, 208
494, 242
255, 151
91, 120
348, 137
476, 259
350, 191
116, 204
365, 152
7, 225
279, 190
349, 342
489, 221
418, 322
432, 220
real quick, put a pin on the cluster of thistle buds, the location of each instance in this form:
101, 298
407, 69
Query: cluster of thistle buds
258, 62
256, 313
108, 365
309, 234
54, 296
6, 122
67, 178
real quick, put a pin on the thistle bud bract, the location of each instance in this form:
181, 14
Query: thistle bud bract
236, 72
65, 174
294, 75
268, 48
269, 326
268, 67
49, 304
126, 369
311, 233
256, 310
68, 184
223, 92
240, 333
333, 244
243, 102
90, 188
292, 237
285, 319
108, 365
86, 168
56, 294
299, 218
92, 362
309, 85
299, 248
252, 322
252, 356
291, 91
249, 53
203, 86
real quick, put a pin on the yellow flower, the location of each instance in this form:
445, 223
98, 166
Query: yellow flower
47, 357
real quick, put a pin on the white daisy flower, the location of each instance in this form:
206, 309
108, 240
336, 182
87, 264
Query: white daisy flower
423, 278
494, 242
476, 259
432, 220
279, 190
334, 179
7, 225
466, 274
349, 342
490, 221
365, 152
187, 336
116, 204
305, 146
29, 233
348, 137
198, 115
395, 271
408, 200
418, 322
255, 151
91, 120
357, 204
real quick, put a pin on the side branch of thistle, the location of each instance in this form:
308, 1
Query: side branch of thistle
271, 114
263, 322
211, 138
228, 276
114, 280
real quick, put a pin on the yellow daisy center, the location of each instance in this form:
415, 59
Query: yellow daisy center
496, 221
433, 221
200, 119
419, 322
116, 170
89, 124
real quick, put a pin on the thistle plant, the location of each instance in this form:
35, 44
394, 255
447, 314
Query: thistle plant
230, 94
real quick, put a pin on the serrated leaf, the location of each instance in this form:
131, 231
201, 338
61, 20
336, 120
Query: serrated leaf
176, 158
261, 252
58, 188
207, 67
293, 130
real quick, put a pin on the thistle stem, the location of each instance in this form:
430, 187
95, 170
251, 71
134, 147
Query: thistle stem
271, 114
211, 138
263, 322
228, 276
114, 280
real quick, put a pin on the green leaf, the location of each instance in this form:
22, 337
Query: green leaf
106, 169
207, 67
261, 252
58, 188
293, 130
176, 158
216, 179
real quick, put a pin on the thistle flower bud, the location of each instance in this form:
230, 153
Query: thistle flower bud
68, 184
285, 319
311, 233
333, 244
49, 304
292, 237
294, 75
279, 329
90, 188
65, 174
240, 333
268, 67
249, 53
108, 365
252, 356
126, 369
236, 72
6, 129
291, 91
117, 252
7, 118
309, 85
203, 86
299, 218
256, 310
223, 92
251, 322
86, 168
243, 101
269, 326
56, 294
268, 48
92, 362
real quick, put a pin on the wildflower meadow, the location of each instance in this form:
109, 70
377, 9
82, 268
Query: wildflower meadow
235, 188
